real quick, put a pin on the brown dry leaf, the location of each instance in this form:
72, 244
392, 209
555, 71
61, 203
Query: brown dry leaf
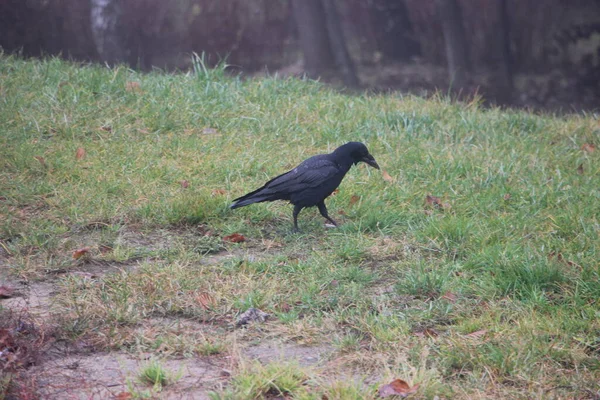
41, 161
234, 238
123, 396
6, 292
106, 128
433, 201
477, 334
588, 148
133, 87
80, 153
77, 254
580, 169
218, 192
449, 296
354, 199
507, 197
184, 184
386, 176
285, 307
205, 300
427, 332
557, 255
104, 248
397, 387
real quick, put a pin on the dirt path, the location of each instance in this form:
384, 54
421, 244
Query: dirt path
67, 373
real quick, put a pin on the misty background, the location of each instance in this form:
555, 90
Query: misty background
525, 53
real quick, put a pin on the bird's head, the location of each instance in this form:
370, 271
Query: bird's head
357, 152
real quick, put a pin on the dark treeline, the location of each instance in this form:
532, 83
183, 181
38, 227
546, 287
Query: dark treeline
344, 40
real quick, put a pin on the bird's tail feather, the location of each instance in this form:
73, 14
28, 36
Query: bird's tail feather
248, 199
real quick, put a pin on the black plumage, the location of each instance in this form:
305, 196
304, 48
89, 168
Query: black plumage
311, 182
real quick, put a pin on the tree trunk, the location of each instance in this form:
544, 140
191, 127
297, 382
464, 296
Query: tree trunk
338, 45
104, 17
505, 83
393, 30
314, 38
457, 51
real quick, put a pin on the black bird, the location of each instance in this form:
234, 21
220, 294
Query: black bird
311, 182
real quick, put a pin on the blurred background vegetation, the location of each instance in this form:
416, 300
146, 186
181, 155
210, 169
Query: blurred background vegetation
537, 54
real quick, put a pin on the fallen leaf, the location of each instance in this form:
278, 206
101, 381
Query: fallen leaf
354, 199
427, 332
477, 334
557, 255
80, 153
106, 128
285, 307
209, 131
386, 176
205, 300
560, 258
133, 87
580, 169
123, 396
397, 387
336, 191
184, 184
449, 296
235, 238
77, 254
507, 197
218, 192
6, 292
104, 248
588, 148
433, 201
41, 161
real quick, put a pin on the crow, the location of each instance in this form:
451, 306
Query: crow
311, 182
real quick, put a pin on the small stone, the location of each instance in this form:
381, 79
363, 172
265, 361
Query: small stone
252, 315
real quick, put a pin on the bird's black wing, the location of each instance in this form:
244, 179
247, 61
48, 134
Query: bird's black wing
310, 173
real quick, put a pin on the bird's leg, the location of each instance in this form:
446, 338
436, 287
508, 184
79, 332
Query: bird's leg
297, 210
323, 211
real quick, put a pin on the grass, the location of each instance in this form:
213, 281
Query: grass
154, 374
513, 251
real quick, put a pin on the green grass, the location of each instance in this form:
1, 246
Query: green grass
514, 252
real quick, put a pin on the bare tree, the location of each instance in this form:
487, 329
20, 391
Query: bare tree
393, 29
338, 44
457, 51
505, 83
104, 17
314, 38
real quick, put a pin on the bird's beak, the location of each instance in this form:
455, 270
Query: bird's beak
371, 161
